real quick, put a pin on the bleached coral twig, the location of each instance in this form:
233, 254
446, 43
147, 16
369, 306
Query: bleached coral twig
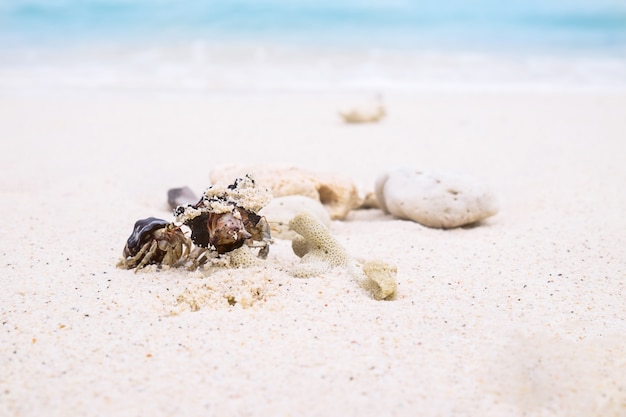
320, 251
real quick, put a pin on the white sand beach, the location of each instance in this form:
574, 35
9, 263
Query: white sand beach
523, 314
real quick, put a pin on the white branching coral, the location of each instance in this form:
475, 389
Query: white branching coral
320, 251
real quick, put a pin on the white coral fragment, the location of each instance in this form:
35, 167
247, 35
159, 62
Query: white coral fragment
365, 114
320, 251
317, 246
243, 257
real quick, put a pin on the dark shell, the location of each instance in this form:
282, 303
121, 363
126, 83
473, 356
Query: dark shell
142, 233
199, 230
180, 197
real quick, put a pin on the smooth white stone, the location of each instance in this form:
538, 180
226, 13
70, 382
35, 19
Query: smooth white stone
434, 199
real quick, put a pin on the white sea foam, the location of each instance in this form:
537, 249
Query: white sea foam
223, 67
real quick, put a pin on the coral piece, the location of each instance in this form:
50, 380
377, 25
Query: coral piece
317, 246
243, 257
381, 280
300, 246
355, 116
154, 241
320, 251
363, 114
225, 217
338, 195
370, 201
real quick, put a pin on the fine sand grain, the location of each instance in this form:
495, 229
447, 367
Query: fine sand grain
522, 315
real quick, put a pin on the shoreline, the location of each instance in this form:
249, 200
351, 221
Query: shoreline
229, 66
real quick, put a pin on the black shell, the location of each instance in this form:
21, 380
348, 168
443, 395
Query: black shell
199, 230
142, 233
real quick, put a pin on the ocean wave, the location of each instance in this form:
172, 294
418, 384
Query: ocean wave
200, 45
254, 66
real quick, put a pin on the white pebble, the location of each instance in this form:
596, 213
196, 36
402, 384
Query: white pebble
434, 199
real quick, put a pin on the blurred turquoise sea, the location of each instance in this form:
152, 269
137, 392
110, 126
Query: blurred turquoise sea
311, 45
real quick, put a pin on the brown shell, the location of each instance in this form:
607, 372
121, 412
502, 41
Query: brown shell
228, 231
